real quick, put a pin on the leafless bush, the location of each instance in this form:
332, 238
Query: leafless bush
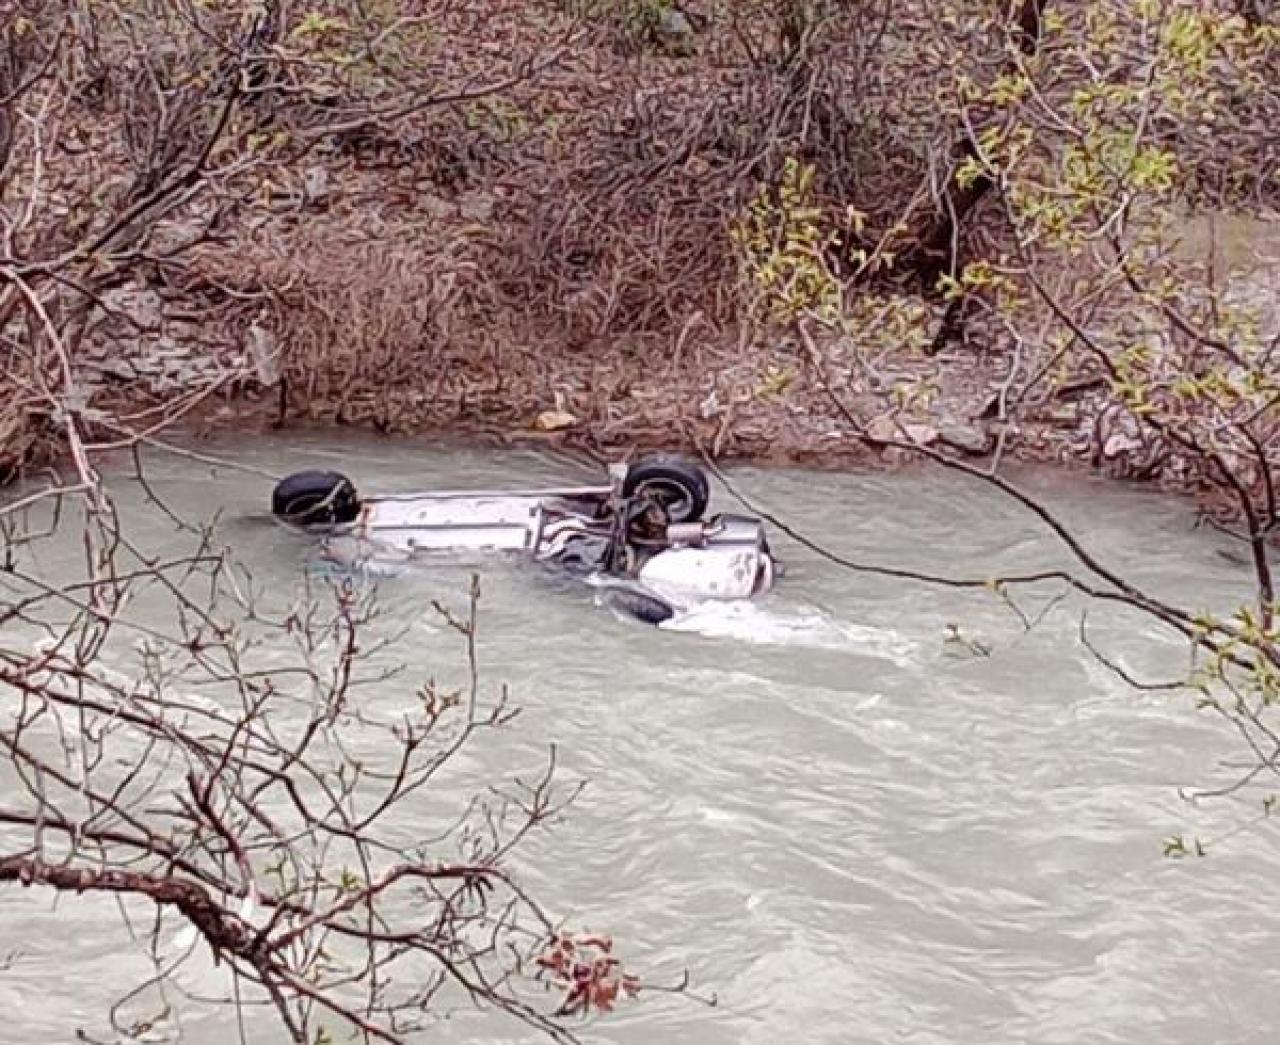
172, 734
131, 134
359, 327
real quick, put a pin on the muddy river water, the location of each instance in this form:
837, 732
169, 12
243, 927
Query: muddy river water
844, 826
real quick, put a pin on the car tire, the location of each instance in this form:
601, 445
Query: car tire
679, 486
315, 498
648, 609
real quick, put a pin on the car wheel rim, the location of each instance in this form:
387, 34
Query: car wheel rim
672, 498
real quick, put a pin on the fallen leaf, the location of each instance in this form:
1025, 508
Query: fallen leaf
554, 421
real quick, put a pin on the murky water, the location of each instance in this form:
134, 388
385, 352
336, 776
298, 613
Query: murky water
844, 826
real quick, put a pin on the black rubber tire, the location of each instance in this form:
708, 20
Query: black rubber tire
679, 486
315, 498
648, 609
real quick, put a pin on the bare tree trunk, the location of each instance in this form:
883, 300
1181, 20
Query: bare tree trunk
1255, 12
936, 253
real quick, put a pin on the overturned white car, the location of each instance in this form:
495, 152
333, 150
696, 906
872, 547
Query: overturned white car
643, 538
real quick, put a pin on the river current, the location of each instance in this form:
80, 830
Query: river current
846, 824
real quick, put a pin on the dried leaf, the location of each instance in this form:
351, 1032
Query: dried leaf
554, 421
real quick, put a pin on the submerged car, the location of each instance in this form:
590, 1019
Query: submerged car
643, 538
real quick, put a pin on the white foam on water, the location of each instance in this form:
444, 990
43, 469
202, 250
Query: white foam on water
813, 629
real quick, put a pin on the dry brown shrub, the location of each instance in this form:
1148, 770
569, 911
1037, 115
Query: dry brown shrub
364, 329
591, 268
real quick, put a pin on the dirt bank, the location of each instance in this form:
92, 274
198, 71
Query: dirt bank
557, 256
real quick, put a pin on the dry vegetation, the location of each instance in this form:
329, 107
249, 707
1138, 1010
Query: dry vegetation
436, 216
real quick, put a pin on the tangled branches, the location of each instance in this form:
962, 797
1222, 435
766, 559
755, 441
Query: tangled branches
258, 771
1082, 145
134, 134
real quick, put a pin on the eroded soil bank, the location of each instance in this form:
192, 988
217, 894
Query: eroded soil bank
700, 392
555, 260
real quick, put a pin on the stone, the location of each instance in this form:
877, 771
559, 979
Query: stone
675, 32
144, 306
967, 438
436, 207
889, 429
476, 206
315, 185
120, 369
265, 354
920, 434
1120, 443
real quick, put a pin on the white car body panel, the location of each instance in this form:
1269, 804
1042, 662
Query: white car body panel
721, 558
681, 574
433, 522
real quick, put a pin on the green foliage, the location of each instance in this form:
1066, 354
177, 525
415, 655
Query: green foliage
1086, 150
786, 241
783, 242
315, 26
357, 50
498, 118
982, 277
1092, 146
774, 382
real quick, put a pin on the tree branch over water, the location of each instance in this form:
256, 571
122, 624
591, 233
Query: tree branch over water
174, 736
1084, 155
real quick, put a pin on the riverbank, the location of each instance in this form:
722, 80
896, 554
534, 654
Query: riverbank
557, 261
753, 403
734, 399
521, 265
727, 413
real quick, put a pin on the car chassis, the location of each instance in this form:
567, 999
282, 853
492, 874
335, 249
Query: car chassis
643, 538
